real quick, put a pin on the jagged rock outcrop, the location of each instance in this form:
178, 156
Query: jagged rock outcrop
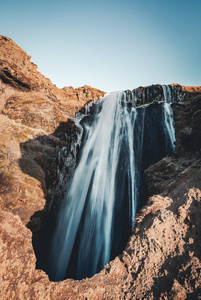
162, 259
35, 127
155, 93
16, 70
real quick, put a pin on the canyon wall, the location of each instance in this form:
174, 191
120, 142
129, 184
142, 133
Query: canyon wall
162, 259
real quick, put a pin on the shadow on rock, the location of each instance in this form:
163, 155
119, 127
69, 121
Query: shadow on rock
51, 160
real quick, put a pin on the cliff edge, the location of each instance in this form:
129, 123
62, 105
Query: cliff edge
162, 259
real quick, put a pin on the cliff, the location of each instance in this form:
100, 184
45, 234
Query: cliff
162, 259
32, 130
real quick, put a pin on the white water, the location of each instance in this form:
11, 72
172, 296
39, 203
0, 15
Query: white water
167, 93
93, 188
89, 205
168, 114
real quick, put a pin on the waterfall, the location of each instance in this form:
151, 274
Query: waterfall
168, 114
93, 189
167, 93
108, 186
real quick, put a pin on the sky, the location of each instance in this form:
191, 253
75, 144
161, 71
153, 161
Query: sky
108, 44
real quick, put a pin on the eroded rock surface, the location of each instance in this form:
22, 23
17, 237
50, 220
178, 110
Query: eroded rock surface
162, 259
32, 132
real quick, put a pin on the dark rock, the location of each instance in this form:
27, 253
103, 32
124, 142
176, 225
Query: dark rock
162, 258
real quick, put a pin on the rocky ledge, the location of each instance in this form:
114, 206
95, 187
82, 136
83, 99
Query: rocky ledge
35, 126
162, 259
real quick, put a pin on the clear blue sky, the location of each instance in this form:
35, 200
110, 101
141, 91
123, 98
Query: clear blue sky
108, 44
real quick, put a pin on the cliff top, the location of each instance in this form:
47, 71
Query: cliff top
189, 89
162, 258
17, 70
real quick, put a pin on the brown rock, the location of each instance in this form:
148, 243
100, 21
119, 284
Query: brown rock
162, 259
31, 108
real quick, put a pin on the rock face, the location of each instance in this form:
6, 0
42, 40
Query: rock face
16, 70
162, 259
35, 127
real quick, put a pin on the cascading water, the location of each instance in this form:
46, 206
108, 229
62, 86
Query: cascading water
168, 114
108, 187
93, 189
167, 93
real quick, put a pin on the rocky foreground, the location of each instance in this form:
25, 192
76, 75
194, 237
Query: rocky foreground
162, 259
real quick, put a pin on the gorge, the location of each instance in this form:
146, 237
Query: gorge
108, 186
40, 145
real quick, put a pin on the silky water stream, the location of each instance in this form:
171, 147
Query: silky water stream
108, 186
